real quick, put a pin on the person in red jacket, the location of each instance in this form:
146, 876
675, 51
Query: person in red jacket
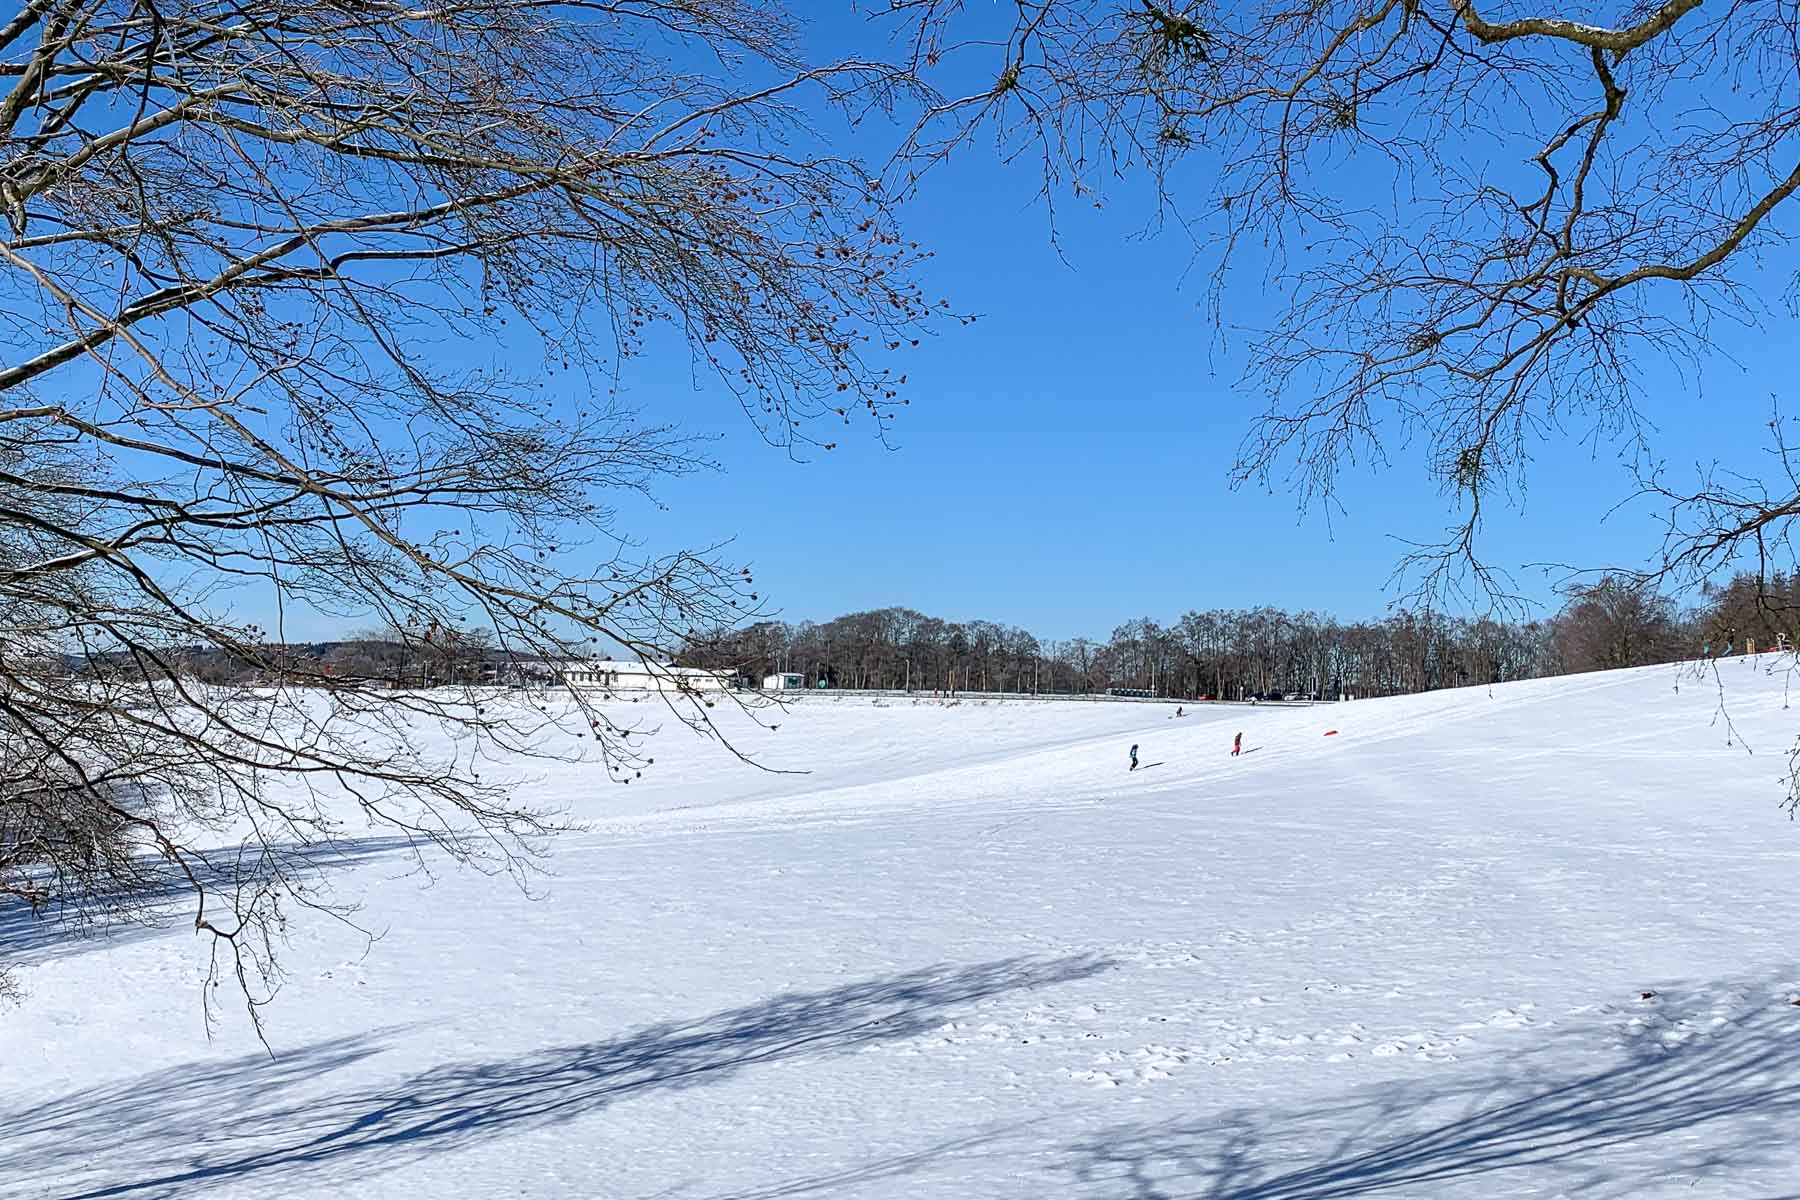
1237, 745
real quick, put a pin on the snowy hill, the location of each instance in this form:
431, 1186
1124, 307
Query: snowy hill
1534, 940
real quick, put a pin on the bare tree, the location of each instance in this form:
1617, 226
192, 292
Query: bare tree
1616, 623
257, 257
1490, 222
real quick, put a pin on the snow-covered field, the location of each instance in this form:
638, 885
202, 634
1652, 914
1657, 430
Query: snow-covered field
1535, 940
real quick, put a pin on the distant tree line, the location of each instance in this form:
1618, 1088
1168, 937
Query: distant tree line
1226, 654
378, 658
1236, 654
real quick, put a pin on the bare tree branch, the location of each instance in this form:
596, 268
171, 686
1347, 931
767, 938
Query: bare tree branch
1485, 230
257, 258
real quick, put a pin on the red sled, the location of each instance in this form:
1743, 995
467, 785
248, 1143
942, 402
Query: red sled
1331, 733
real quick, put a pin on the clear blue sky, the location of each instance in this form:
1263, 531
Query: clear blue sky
1064, 462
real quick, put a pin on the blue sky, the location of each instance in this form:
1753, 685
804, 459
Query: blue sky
1064, 463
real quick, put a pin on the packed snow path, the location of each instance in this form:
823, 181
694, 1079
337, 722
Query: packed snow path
1534, 940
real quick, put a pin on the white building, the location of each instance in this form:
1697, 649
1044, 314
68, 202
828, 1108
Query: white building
786, 681
631, 676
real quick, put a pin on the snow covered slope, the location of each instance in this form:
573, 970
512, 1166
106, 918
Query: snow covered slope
1529, 941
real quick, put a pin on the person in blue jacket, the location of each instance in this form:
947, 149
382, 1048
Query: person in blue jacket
1134, 757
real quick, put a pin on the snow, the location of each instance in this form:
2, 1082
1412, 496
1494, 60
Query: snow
1531, 940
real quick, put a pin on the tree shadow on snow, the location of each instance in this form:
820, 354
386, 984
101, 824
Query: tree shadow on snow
266, 1123
28, 935
1729, 1095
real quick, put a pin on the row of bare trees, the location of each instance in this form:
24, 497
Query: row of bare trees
1622, 622
1224, 654
1611, 623
375, 658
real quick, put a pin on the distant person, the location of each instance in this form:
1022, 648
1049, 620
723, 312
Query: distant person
1134, 757
1237, 745
1178, 710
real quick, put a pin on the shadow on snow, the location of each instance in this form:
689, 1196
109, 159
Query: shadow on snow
1710, 1108
1721, 1103
1690, 1117
138, 911
266, 1123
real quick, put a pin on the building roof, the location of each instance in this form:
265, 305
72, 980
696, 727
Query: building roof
633, 667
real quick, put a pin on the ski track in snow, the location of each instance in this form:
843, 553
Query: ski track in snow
1528, 940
